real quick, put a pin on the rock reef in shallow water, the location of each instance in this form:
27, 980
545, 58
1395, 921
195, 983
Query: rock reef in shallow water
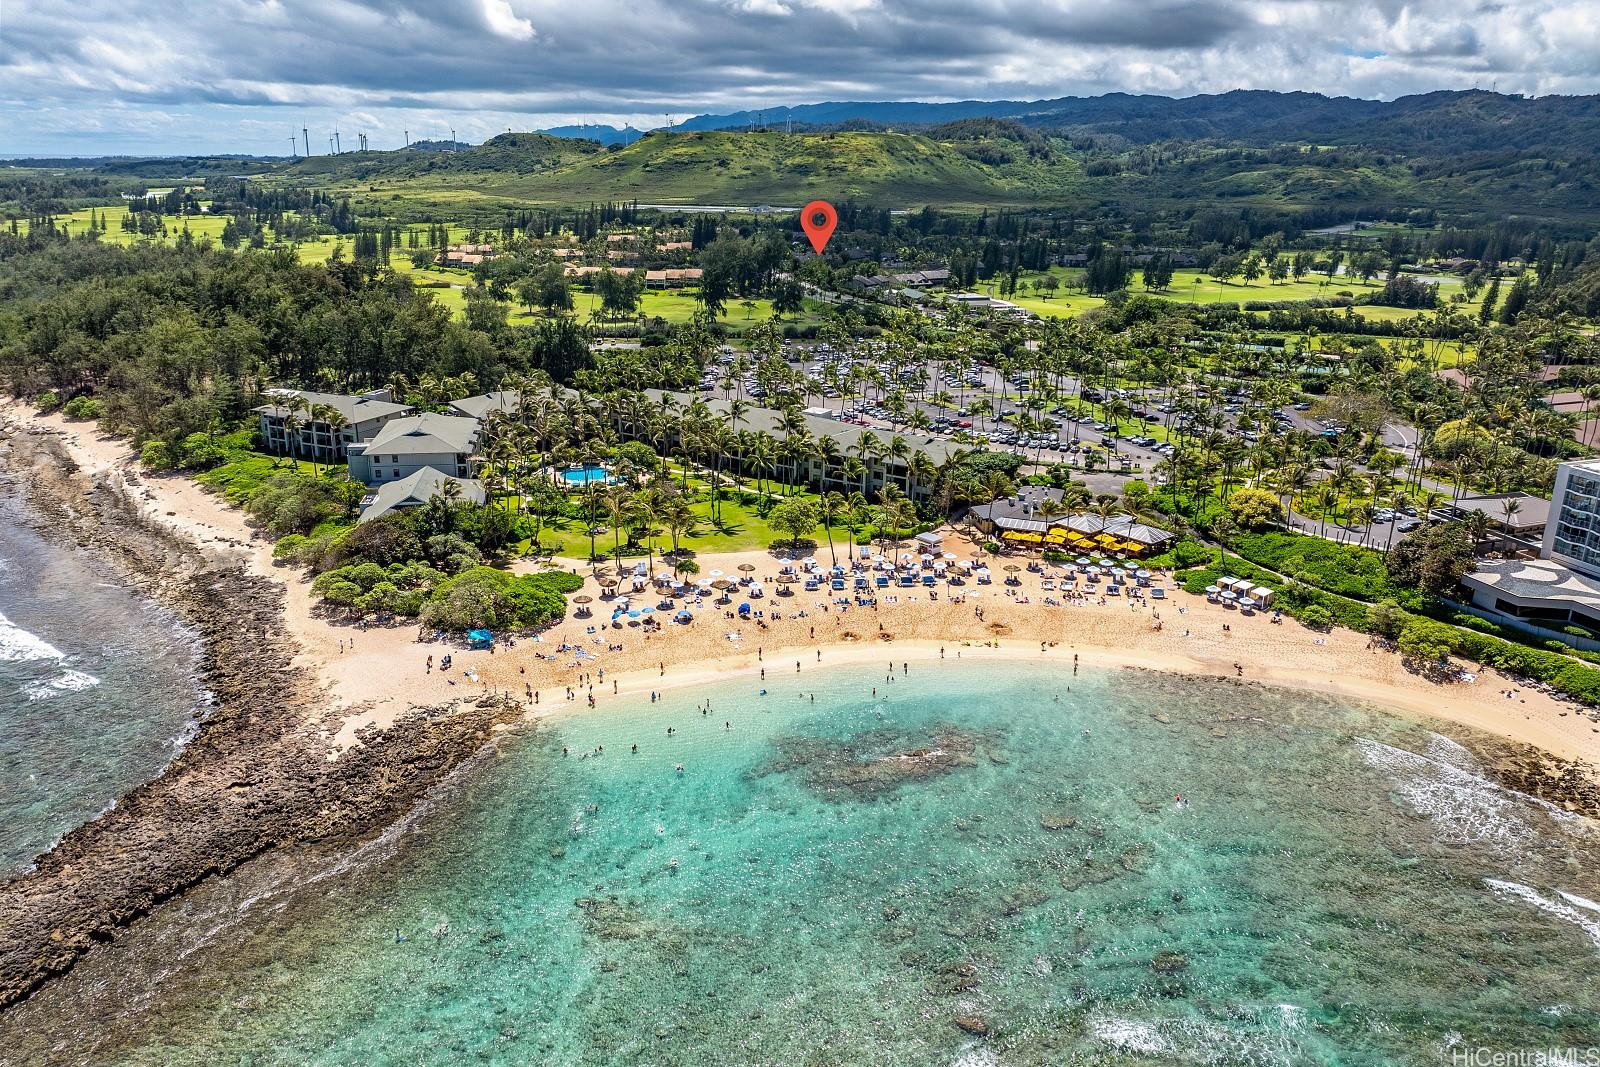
874, 763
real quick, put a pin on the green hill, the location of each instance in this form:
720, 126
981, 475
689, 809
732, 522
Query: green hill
712, 168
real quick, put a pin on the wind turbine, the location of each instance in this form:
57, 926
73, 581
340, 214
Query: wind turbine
307, 135
338, 148
294, 146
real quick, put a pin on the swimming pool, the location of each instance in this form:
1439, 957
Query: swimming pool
591, 472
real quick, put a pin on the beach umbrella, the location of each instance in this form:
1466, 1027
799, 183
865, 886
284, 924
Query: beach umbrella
747, 567
949, 555
715, 574
1012, 567
1083, 561
1213, 590
787, 579
1229, 594
721, 583
633, 614
608, 583
648, 610
1141, 573
583, 598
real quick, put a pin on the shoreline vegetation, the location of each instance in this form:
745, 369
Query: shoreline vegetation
310, 745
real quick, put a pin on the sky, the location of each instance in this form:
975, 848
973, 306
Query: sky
94, 77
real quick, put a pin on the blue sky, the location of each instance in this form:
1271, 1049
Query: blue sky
167, 76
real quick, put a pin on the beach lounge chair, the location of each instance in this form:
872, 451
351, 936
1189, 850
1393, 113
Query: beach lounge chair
1158, 593
812, 585
837, 583
883, 581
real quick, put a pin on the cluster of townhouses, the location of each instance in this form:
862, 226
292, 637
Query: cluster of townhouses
403, 457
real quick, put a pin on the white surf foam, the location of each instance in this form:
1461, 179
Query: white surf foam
19, 646
1129, 1035
69, 681
1465, 807
1584, 920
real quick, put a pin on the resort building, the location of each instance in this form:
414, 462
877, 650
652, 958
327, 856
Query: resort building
1572, 536
313, 437
868, 444
481, 407
1520, 518
417, 490
405, 446
1560, 589
672, 277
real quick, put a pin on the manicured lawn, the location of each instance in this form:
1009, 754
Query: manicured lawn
743, 530
1195, 287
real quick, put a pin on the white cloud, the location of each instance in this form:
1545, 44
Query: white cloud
390, 65
505, 22
761, 7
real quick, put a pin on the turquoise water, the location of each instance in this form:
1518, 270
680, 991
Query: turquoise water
584, 475
838, 881
96, 688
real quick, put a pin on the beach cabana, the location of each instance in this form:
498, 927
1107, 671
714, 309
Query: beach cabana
1262, 595
480, 638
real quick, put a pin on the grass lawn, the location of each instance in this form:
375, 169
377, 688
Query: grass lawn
743, 530
1195, 287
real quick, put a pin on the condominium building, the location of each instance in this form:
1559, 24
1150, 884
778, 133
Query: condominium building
311, 437
407, 445
1572, 536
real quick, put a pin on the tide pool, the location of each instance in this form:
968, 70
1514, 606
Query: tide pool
980, 864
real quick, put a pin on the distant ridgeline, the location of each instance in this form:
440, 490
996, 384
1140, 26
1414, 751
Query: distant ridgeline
1466, 156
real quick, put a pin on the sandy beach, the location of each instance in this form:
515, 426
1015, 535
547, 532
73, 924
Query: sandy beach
376, 674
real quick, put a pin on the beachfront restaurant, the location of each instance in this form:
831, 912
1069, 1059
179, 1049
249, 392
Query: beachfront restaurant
1119, 535
1016, 520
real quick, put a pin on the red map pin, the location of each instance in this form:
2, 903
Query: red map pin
818, 220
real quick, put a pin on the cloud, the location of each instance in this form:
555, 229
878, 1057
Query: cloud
222, 75
503, 21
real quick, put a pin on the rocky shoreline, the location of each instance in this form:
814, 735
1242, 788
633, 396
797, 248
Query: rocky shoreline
256, 775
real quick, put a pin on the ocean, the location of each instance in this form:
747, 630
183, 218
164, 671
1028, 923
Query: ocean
973, 865
97, 687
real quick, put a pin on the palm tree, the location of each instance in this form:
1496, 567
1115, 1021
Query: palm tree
593, 497
617, 501
895, 513
291, 431
829, 507
678, 518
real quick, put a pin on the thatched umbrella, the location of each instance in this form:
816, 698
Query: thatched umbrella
722, 583
787, 579
747, 567
1012, 567
583, 598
